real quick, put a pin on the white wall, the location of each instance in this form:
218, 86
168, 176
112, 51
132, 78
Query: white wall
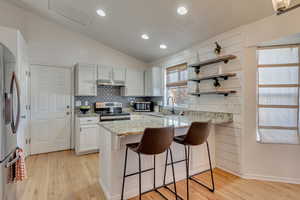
277, 162
52, 44
236, 147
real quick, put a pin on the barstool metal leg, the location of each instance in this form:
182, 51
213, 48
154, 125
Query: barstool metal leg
173, 171
211, 170
124, 174
154, 172
140, 177
187, 157
166, 164
211, 173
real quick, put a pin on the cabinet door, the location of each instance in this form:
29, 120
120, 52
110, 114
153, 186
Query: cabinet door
86, 77
104, 73
134, 83
119, 74
148, 83
153, 82
156, 81
88, 138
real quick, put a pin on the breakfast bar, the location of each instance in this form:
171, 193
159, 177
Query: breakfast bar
116, 134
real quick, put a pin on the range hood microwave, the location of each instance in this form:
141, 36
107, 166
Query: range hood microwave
110, 83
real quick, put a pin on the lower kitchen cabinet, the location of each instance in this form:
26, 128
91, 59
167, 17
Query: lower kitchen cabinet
87, 132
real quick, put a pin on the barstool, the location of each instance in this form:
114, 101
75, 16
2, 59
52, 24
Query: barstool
153, 142
196, 135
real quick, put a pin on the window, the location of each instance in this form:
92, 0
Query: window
176, 84
278, 95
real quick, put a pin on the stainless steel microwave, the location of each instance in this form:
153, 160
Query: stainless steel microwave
143, 106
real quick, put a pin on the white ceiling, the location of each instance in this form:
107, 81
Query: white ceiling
126, 20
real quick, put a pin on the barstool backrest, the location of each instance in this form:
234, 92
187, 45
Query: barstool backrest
156, 140
197, 133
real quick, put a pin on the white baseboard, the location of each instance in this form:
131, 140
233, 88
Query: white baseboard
263, 177
271, 178
229, 171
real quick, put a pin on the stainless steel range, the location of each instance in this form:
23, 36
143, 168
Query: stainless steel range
111, 111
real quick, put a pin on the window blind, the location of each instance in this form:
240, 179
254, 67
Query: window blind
176, 83
278, 95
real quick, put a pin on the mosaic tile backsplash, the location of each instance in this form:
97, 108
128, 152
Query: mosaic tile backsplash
113, 94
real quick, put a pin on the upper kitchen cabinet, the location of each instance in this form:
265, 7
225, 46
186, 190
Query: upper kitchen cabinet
85, 80
119, 74
104, 73
111, 75
153, 82
134, 84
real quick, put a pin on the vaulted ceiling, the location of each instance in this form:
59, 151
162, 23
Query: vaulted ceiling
126, 20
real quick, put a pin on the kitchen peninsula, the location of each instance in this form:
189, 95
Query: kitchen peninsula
116, 134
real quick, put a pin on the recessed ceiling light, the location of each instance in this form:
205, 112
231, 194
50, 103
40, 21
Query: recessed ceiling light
163, 46
101, 13
145, 36
182, 10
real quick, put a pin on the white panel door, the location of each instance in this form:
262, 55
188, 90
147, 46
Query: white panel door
50, 109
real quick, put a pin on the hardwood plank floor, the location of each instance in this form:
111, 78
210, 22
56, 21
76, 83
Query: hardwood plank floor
65, 176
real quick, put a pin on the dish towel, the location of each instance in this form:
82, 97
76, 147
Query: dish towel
20, 168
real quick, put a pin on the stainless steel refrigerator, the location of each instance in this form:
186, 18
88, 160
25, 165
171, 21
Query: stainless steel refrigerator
9, 120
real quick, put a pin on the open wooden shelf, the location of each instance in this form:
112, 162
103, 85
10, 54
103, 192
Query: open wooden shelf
224, 59
214, 77
219, 92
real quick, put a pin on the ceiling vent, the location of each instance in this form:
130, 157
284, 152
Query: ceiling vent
68, 10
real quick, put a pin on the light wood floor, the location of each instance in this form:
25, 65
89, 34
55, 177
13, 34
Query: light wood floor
64, 176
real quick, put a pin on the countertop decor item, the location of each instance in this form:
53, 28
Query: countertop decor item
84, 109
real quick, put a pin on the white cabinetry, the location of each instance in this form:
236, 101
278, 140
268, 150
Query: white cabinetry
134, 84
85, 80
119, 74
104, 73
87, 132
153, 82
107, 74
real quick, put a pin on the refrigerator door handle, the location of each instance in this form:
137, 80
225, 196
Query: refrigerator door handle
15, 122
8, 155
11, 163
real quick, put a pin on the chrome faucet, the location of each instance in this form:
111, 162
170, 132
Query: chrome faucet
173, 104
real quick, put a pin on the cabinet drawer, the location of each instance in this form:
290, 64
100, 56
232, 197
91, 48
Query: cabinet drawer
89, 120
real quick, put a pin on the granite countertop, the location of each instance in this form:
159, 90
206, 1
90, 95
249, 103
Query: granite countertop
90, 114
139, 123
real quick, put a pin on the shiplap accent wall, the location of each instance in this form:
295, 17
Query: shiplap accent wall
227, 136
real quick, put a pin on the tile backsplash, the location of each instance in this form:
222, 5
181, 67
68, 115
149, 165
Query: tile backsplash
113, 94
